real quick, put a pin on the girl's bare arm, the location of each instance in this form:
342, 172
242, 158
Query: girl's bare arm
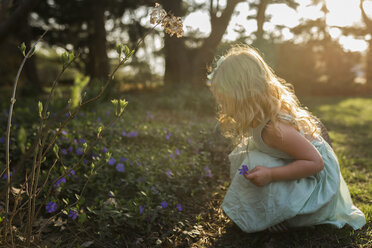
307, 158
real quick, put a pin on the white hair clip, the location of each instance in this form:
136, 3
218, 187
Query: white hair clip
210, 76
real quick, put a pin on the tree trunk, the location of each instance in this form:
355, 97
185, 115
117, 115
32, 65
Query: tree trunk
11, 24
260, 18
98, 64
369, 63
183, 65
205, 53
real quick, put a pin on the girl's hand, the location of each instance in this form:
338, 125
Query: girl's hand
259, 176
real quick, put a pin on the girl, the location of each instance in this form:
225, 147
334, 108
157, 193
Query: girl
293, 176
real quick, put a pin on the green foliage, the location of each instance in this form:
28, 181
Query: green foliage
79, 83
22, 139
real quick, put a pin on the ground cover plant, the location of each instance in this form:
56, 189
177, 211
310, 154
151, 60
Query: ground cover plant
163, 174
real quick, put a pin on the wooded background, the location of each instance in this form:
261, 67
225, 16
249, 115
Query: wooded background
312, 61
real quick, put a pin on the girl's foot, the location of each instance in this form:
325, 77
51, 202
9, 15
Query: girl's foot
278, 228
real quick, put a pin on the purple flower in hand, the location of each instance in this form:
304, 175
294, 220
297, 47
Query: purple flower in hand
72, 214
243, 170
51, 207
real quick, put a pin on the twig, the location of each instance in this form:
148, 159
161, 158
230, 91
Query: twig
12, 102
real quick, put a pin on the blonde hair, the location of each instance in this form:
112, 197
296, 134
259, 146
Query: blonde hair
247, 89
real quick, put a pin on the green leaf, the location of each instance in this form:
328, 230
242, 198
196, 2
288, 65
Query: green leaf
127, 51
82, 218
22, 48
33, 49
85, 146
100, 130
56, 150
71, 56
119, 49
22, 139
40, 105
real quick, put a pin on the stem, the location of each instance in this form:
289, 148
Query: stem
38, 156
12, 102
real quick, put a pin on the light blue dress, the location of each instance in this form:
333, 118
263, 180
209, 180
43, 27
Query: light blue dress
319, 199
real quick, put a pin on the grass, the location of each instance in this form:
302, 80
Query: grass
201, 223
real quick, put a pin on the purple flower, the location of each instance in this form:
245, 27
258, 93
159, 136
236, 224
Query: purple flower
164, 204
124, 133
64, 132
63, 151
2, 140
154, 190
99, 119
69, 149
139, 164
208, 172
104, 150
179, 207
141, 209
107, 112
85, 161
75, 141
82, 141
72, 214
51, 207
189, 140
5, 176
111, 161
58, 183
79, 151
132, 134
243, 170
168, 136
120, 167
178, 152
122, 159
71, 173
169, 173
171, 155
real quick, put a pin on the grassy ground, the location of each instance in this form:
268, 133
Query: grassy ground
349, 121
190, 118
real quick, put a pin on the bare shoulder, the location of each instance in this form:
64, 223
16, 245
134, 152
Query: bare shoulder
276, 136
289, 140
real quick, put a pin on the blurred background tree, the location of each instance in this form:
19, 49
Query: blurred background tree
311, 58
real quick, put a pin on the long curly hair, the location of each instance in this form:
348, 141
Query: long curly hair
246, 90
